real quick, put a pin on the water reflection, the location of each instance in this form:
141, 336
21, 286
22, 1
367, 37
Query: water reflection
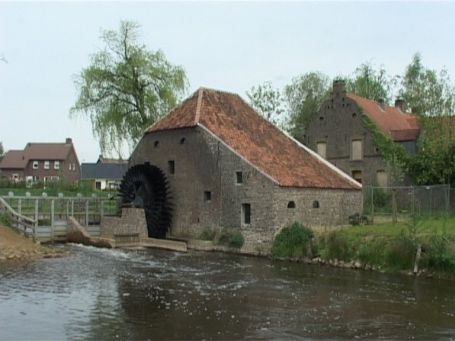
143, 294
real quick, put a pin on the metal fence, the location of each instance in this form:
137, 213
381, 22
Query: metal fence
384, 204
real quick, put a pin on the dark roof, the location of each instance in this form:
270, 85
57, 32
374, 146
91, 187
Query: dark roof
102, 159
256, 140
103, 171
18, 159
400, 126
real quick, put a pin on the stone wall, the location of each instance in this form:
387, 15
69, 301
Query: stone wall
132, 221
203, 163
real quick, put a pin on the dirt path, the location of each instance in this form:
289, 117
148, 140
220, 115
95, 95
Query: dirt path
14, 246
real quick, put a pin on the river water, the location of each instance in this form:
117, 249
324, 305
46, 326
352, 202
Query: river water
100, 294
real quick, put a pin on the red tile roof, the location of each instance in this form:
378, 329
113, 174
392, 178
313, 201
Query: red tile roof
392, 121
259, 142
18, 159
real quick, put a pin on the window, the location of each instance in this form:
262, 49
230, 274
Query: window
98, 185
56, 164
291, 204
246, 214
46, 164
239, 177
207, 196
182, 140
357, 175
156, 143
354, 115
35, 164
357, 150
69, 166
321, 149
381, 178
315, 204
171, 166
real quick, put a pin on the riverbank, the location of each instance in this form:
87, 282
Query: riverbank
16, 247
423, 248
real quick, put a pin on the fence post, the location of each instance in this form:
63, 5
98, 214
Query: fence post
19, 206
36, 216
372, 204
72, 207
86, 213
101, 209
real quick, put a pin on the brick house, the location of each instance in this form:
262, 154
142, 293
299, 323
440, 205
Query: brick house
338, 133
42, 162
227, 167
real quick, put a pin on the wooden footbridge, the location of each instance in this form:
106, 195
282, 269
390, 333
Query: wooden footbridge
45, 219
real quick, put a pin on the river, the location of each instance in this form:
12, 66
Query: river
100, 294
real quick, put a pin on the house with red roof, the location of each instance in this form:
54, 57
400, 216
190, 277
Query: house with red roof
338, 133
227, 167
42, 162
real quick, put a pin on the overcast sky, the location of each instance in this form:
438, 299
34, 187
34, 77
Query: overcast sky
228, 46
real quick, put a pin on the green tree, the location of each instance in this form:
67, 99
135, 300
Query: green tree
268, 102
2, 151
370, 83
435, 161
304, 96
126, 88
426, 91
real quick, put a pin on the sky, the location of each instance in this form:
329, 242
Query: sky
229, 46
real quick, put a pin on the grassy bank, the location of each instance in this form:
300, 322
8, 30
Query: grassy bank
387, 247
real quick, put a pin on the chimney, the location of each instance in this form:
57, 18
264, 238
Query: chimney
399, 103
381, 103
69, 140
339, 87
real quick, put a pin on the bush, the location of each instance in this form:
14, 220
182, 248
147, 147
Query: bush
400, 253
293, 241
5, 219
232, 239
371, 252
336, 246
440, 256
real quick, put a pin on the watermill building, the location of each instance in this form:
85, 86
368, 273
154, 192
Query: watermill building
214, 163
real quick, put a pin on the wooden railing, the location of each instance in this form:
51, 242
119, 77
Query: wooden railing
24, 224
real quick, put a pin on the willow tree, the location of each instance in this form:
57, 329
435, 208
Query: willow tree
126, 88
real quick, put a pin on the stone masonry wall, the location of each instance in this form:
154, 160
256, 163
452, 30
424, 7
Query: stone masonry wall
131, 221
204, 163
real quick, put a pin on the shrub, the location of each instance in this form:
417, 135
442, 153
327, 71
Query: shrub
440, 256
336, 246
371, 252
232, 239
293, 241
5, 219
400, 253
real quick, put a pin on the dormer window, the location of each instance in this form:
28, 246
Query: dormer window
57, 165
46, 164
35, 164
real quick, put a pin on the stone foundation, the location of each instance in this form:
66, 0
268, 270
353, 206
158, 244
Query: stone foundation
131, 223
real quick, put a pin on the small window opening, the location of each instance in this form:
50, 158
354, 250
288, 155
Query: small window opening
246, 214
207, 195
171, 165
239, 177
354, 115
156, 143
321, 118
315, 204
291, 204
182, 140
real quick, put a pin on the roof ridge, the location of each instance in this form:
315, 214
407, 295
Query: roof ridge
197, 116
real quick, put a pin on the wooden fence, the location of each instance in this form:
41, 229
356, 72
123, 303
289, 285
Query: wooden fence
45, 218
